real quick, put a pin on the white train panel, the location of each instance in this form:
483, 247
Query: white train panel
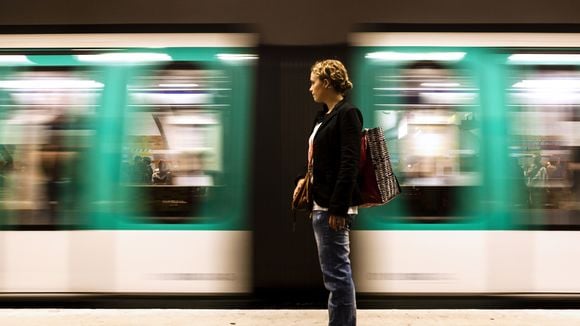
419, 261
510, 261
556, 262
183, 261
93, 261
35, 261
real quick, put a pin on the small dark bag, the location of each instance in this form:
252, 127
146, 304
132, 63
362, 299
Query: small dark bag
303, 199
379, 185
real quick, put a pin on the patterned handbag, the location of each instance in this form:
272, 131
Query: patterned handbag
379, 183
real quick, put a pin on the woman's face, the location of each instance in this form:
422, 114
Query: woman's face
318, 88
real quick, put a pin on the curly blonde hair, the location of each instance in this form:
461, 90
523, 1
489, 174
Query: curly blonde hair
333, 71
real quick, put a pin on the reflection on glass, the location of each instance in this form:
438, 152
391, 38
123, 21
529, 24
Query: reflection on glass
545, 148
173, 148
44, 134
427, 111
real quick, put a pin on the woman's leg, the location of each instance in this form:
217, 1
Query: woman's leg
333, 253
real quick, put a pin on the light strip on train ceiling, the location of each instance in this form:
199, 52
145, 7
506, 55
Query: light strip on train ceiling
50, 84
440, 84
525, 58
415, 56
556, 84
14, 59
178, 85
124, 57
236, 56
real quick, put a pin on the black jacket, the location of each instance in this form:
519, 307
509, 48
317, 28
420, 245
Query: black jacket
336, 158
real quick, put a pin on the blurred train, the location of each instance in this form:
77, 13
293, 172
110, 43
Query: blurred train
484, 132
126, 161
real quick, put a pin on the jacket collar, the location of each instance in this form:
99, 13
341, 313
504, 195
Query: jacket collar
327, 117
338, 105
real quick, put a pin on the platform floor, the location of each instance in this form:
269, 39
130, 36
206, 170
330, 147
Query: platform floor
183, 317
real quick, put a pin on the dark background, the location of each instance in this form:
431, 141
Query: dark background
296, 22
284, 260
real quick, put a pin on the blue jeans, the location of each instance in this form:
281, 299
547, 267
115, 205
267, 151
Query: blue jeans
333, 250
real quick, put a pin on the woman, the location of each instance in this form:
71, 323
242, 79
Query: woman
333, 155
162, 175
537, 175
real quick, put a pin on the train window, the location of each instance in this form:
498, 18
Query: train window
428, 112
172, 156
544, 144
45, 134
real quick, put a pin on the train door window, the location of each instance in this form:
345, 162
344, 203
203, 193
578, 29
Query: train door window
544, 101
172, 155
45, 133
428, 112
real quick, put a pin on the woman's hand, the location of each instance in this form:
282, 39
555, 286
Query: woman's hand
300, 182
337, 222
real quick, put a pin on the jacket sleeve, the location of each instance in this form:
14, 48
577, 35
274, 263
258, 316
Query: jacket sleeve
350, 128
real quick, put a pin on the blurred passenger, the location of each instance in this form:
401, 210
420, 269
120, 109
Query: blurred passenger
162, 175
537, 172
333, 155
147, 170
58, 165
6, 165
537, 175
555, 170
137, 162
6, 161
518, 181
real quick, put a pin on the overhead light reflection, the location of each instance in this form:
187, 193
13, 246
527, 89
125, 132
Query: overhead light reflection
414, 56
544, 58
440, 84
12, 59
548, 83
124, 57
50, 84
236, 56
178, 85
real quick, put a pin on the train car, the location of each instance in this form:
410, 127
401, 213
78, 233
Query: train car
124, 162
483, 133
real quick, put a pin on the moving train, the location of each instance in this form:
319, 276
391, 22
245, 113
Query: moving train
483, 132
126, 162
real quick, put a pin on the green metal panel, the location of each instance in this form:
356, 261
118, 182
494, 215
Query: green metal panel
491, 73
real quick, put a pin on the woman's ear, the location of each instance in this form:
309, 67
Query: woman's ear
326, 83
